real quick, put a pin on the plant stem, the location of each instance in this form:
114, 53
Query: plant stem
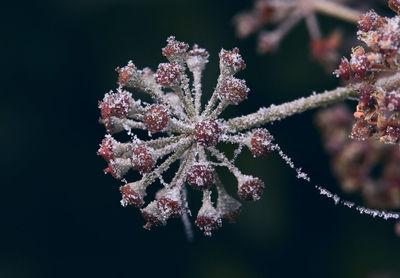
277, 112
337, 10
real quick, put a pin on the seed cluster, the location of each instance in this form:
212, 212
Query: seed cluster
185, 133
378, 110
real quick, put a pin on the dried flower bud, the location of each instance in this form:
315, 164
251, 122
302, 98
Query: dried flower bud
153, 216
344, 69
167, 74
197, 58
107, 148
133, 194
207, 133
227, 206
208, 218
250, 189
359, 62
175, 51
118, 167
260, 142
230, 62
368, 21
169, 203
156, 118
200, 176
233, 90
142, 159
126, 73
115, 104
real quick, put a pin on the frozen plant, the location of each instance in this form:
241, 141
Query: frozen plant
369, 167
285, 15
187, 134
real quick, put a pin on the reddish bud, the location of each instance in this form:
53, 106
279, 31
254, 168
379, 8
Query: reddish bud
107, 148
233, 90
207, 133
132, 194
174, 47
208, 218
142, 159
200, 176
261, 142
231, 61
250, 189
115, 104
169, 202
156, 118
125, 73
153, 216
359, 62
118, 167
197, 58
344, 69
368, 21
167, 74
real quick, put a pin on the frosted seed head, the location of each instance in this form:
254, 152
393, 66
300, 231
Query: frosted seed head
106, 149
343, 70
233, 90
169, 202
368, 21
208, 218
142, 159
115, 104
197, 58
250, 188
261, 142
175, 51
128, 75
156, 117
359, 62
167, 74
200, 176
227, 206
230, 61
118, 167
133, 194
207, 133
153, 216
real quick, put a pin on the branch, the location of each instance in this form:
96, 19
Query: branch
278, 112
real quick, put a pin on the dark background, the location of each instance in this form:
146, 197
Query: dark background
60, 215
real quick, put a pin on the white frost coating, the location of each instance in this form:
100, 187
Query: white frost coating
337, 200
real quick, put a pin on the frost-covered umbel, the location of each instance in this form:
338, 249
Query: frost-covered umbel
374, 74
184, 133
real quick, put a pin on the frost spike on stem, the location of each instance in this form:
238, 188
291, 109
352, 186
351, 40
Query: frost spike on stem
278, 112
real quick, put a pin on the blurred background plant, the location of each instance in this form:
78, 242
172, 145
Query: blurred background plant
60, 215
